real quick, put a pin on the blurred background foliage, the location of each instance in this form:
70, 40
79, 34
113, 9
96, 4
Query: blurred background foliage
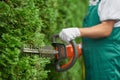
34, 22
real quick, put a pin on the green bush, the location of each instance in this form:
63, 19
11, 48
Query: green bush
20, 24
34, 22
48, 14
70, 14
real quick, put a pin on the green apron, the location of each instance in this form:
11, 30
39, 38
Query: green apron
101, 56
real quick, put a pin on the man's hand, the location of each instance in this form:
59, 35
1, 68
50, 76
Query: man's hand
69, 34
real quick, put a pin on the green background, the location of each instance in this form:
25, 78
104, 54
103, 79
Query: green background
33, 22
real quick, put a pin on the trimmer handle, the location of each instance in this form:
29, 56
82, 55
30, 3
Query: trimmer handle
62, 55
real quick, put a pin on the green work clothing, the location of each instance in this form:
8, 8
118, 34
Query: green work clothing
101, 56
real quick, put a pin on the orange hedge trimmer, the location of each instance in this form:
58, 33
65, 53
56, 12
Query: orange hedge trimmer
59, 52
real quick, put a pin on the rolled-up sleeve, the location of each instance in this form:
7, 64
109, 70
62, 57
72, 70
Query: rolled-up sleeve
109, 10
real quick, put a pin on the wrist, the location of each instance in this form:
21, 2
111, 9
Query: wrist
78, 33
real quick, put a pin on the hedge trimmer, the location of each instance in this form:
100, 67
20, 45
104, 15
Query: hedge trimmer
65, 56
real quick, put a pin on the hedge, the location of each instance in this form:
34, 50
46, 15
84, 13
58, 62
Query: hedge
20, 24
33, 22
70, 14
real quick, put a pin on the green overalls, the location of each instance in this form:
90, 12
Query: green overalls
101, 56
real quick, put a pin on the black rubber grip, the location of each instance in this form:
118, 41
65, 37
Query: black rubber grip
72, 61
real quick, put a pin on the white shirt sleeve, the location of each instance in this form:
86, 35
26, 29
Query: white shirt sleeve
109, 10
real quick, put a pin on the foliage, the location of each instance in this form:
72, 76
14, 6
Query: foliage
48, 15
70, 14
20, 24
34, 22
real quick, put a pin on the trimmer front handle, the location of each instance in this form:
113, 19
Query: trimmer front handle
62, 54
